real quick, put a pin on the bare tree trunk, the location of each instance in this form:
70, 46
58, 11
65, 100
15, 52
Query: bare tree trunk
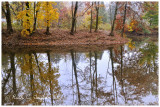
75, 26
110, 11
91, 19
59, 23
74, 18
47, 29
111, 34
8, 18
124, 18
35, 16
97, 10
72, 10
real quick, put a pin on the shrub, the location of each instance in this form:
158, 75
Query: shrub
105, 26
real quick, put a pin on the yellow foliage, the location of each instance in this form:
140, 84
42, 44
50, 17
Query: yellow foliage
133, 25
24, 32
27, 17
131, 44
50, 13
46, 14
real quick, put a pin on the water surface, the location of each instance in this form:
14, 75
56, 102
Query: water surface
123, 75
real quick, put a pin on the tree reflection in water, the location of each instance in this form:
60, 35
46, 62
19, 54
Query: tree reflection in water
116, 76
137, 78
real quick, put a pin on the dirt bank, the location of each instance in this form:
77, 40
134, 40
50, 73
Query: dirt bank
61, 38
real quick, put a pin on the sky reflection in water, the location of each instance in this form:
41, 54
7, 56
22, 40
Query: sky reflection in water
117, 76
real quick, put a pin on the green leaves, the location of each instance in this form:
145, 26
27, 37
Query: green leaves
148, 54
151, 13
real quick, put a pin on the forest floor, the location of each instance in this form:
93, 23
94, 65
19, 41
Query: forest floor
61, 39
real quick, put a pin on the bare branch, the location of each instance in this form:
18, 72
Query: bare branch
86, 10
3, 10
13, 10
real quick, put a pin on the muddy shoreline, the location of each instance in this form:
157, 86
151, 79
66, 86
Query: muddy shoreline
57, 48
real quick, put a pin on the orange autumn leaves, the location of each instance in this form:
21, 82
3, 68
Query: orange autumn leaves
133, 25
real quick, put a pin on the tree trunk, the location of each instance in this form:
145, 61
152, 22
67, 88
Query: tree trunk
113, 74
96, 72
124, 19
91, 19
90, 60
110, 11
36, 58
47, 29
123, 92
31, 76
8, 18
14, 76
76, 77
111, 34
97, 10
121, 60
72, 9
74, 18
22, 10
75, 26
27, 8
4, 84
59, 23
35, 16
150, 23
50, 82
34, 26
41, 78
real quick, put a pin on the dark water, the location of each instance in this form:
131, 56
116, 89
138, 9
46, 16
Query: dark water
124, 75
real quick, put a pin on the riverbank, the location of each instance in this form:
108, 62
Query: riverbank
61, 38
153, 36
